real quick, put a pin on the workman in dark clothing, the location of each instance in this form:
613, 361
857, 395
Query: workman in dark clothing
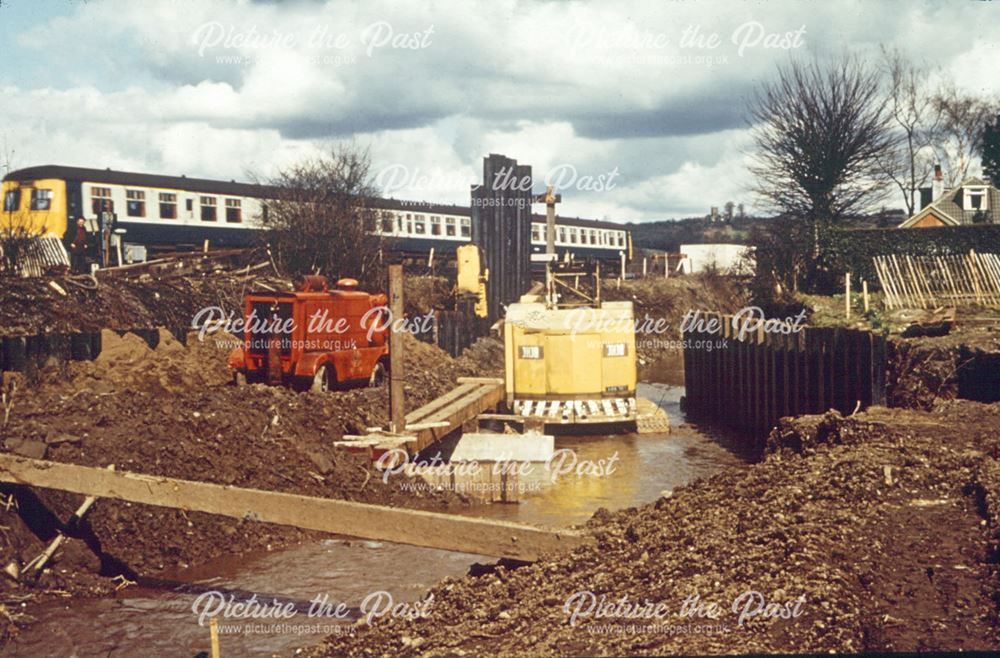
78, 248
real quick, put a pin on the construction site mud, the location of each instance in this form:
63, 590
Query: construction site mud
814, 521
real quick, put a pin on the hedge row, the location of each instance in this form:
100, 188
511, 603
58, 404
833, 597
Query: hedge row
853, 250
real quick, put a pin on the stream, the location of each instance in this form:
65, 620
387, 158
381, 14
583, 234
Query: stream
368, 575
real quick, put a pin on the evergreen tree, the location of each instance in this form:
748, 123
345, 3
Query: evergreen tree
991, 151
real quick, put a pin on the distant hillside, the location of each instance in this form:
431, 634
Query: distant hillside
668, 235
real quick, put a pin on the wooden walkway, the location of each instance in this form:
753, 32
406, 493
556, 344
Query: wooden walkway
434, 420
414, 527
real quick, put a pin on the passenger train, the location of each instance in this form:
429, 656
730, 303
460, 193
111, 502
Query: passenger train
170, 212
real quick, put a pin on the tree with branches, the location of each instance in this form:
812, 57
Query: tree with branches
821, 131
962, 118
912, 110
16, 233
321, 217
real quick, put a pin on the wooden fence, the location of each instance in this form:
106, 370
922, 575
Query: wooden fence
745, 377
933, 281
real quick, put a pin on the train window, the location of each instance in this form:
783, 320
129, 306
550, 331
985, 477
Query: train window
208, 209
409, 224
449, 226
41, 199
593, 236
168, 206
562, 234
419, 226
435, 225
399, 224
101, 200
12, 200
466, 227
189, 205
234, 211
536, 232
135, 203
572, 235
621, 239
387, 224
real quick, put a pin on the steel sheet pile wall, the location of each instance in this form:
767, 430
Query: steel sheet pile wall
26, 353
501, 226
749, 384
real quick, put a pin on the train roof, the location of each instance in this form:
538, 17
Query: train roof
234, 188
113, 177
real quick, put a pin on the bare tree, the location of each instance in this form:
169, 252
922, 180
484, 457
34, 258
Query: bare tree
821, 131
962, 118
322, 220
16, 232
914, 119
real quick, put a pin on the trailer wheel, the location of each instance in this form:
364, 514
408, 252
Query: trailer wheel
378, 376
321, 380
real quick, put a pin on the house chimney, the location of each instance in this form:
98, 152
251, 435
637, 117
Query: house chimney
937, 185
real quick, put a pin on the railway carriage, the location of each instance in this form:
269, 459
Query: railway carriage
176, 212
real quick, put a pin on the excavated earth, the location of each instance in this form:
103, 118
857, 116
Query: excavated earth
884, 525
173, 411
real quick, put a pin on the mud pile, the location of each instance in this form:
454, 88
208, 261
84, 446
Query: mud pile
660, 355
881, 524
171, 411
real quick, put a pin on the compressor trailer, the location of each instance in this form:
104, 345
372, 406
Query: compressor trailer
313, 338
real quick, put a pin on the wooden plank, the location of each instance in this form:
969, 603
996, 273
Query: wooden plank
441, 402
480, 380
414, 527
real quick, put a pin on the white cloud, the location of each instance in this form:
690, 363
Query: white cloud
602, 86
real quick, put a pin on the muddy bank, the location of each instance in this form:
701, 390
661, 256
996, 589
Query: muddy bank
172, 411
926, 371
669, 300
882, 525
31, 306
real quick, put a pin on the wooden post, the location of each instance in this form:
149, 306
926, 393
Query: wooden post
397, 405
644, 267
666, 266
205, 247
213, 629
623, 266
864, 292
847, 294
430, 261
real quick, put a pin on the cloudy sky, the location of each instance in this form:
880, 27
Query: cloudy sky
636, 109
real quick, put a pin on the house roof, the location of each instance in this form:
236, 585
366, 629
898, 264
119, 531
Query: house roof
948, 206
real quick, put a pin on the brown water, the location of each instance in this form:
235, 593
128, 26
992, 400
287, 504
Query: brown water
160, 622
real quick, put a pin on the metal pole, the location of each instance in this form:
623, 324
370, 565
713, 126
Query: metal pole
550, 222
397, 404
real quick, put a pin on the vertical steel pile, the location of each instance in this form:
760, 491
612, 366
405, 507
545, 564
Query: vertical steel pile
501, 226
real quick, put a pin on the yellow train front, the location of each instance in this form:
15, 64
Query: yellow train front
571, 368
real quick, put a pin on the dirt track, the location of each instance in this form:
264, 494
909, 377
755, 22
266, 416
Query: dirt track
898, 561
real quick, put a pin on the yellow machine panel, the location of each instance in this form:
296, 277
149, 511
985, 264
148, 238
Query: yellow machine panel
39, 207
470, 279
578, 354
